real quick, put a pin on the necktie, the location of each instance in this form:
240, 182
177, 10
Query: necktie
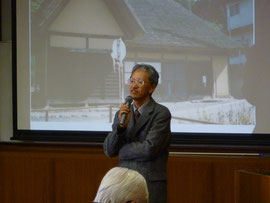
137, 115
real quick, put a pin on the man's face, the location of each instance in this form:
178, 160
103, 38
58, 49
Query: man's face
140, 88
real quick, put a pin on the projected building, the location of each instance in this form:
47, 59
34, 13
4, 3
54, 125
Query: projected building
72, 66
73, 55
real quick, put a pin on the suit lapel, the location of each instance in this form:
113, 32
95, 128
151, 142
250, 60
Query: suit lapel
144, 116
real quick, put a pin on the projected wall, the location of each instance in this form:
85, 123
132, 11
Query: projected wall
74, 58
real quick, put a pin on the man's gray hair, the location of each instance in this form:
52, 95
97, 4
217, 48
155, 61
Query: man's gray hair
122, 185
153, 74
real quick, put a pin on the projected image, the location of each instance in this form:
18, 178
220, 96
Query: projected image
83, 51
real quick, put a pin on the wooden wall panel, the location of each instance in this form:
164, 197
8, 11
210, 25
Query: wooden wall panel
26, 180
65, 174
190, 180
81, 176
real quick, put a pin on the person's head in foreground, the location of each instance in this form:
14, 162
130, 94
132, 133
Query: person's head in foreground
122, 185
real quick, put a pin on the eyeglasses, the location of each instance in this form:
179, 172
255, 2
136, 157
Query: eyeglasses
139, 82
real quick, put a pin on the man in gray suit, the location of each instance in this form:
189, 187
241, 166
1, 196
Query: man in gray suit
142, 142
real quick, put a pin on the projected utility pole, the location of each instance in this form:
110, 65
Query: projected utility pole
118, 54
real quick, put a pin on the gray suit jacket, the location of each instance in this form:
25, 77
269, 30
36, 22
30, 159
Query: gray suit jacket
143, 146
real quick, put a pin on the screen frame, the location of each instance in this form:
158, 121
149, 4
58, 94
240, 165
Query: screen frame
182, 141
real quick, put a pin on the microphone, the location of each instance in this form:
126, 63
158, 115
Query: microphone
128, 103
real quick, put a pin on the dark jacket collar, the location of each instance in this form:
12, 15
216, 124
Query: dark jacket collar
148, 110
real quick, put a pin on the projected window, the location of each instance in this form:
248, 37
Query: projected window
234, 9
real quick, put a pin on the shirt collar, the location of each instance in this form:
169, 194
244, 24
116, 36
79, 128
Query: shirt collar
141, 109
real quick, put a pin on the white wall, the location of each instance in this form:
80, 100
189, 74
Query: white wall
5, 73
5, 91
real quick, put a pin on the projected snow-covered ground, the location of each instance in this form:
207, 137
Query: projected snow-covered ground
211, 116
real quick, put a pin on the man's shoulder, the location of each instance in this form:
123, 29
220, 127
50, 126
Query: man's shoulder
162, 108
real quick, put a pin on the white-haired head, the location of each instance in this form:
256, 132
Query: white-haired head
121, 185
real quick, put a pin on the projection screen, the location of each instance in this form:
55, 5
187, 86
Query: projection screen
74, 58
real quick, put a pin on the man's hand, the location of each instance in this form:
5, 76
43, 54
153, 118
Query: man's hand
124, 109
